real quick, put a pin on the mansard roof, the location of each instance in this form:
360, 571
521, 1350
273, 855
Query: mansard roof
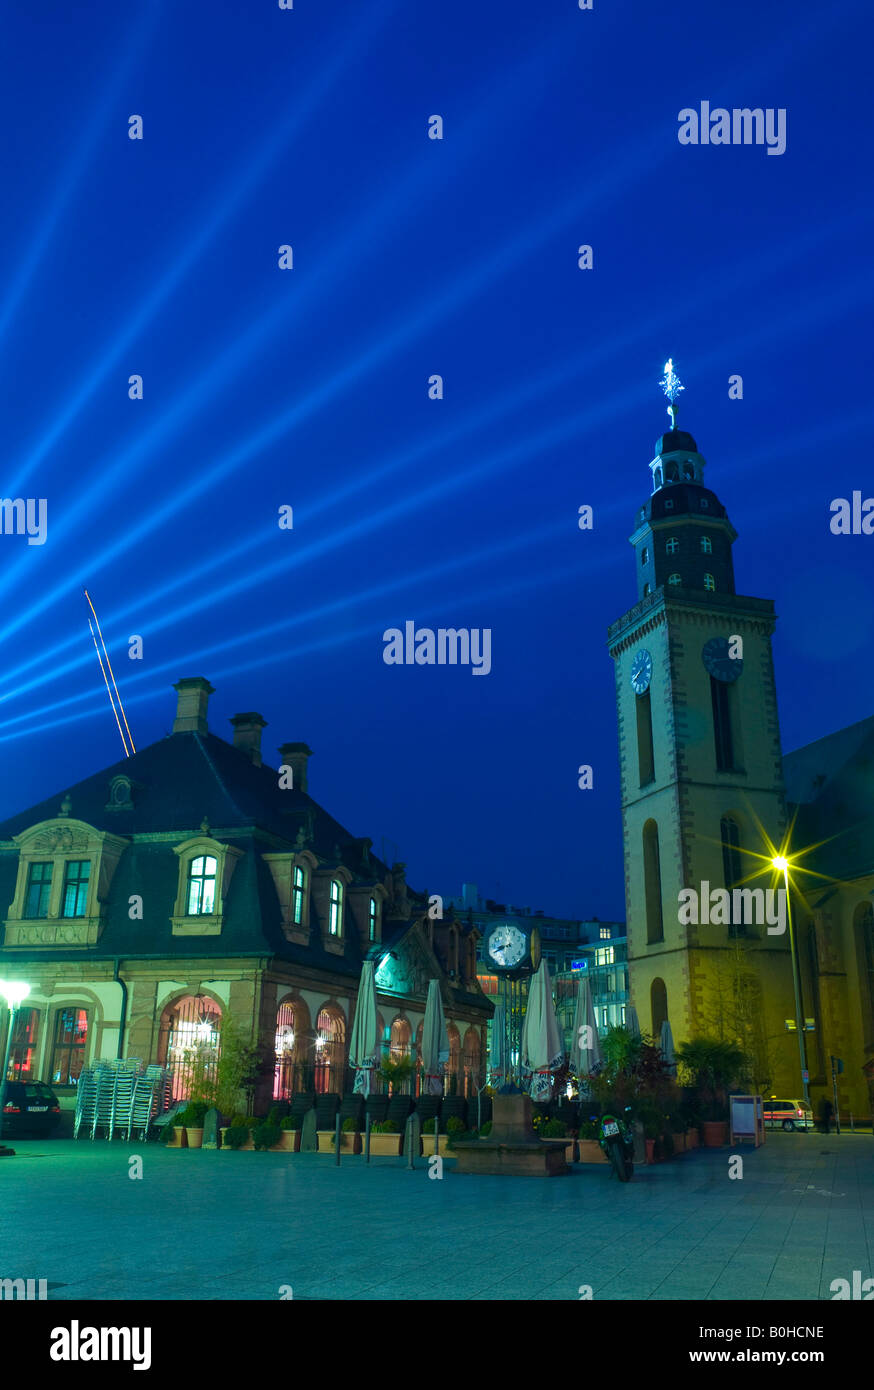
830, 782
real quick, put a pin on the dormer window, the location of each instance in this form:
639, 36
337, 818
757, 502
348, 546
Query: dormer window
335, 908
298, 894
120, 794
39, 886
201, 885
372, 919
709, 582
77, 876
672, 546
706, 545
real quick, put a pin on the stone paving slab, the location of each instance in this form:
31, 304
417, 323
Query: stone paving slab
222, 1226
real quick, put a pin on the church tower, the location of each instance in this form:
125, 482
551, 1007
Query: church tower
701, 768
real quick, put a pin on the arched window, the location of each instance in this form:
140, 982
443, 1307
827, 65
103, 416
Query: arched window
672, 545
652, 875
644, 556
645, 757
454, 1063
657, 480
472, 1078
730, 837
330, 1043
709, 582
689, 470
188, 1042
706, 545
671, 473
201, 886
290, 1049
23, 1056
646, 590
658, 996
372, 919
675, 579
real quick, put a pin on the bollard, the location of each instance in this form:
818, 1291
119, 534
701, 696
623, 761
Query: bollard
411, 1162
367, 1137
337, 1139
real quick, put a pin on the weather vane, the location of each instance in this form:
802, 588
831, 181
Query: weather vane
672, 386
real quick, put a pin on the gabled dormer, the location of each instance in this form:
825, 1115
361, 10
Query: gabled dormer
65, 868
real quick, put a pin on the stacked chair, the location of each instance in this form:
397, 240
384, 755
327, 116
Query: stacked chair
120, 1094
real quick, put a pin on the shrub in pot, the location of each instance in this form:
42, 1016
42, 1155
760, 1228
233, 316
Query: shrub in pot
235, 1137
385, 1138
266, 1135
289, 1133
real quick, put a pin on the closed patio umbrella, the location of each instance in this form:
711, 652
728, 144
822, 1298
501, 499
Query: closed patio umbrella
542, 1047
585, 1045
363, 1039
632, 1022
666, 1045
435, 1041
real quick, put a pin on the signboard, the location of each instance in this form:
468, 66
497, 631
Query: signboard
805, 1076
579, 965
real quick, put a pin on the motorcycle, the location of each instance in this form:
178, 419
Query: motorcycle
617, 1142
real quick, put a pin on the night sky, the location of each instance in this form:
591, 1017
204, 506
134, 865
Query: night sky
309, 387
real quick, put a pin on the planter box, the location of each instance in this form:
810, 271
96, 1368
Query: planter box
428, 1145
195, 1138
693, 1139
178, 1141
325, 1138
249, 1144
715, 1133
386, 1145
289, 1142
590, 1151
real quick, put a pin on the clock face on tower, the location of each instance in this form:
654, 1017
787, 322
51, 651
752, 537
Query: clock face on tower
641, 671
721, 666
507, 946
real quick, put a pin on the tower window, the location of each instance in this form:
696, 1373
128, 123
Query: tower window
689, 470
719, 697
706, 545
675, 579
731, 870
669, 502
709, 582
644, 739
646, 590
672, 546
704, 504
644, 556
653, 883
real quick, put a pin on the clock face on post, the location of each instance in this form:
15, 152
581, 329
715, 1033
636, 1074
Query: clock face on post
641, 671
721, 666
507, 946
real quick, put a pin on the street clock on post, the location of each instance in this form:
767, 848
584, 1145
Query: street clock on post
513, 949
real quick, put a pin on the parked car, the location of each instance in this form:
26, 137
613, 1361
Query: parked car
788, 1114
29, 1107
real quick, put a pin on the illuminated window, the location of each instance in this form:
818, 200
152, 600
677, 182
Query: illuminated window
68, 1051
39, 884
201, 885
298, 890
605, 933
76, 878
675, 579
672, 545
335, 918
23, 1052
709, 582
604, 955
706, 545
373, 919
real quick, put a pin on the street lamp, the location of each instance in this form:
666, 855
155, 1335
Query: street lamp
13, 991
781, 864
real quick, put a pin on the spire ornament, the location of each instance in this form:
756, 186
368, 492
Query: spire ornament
672, 386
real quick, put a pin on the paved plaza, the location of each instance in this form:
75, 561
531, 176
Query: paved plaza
225, 1225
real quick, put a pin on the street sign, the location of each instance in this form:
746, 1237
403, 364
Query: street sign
805, 1076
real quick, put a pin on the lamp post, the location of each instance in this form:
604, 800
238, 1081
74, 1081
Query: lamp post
782, 865
13, 991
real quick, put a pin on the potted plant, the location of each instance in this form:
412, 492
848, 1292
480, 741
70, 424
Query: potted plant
192, 1119
428, 1138
266, 1135
385, 1139
235, 1137
714, 1066
350, 1132
589, 1149
171, 1136
289, 1133
396, 1073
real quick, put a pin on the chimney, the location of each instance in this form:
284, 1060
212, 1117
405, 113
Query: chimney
194, 693
295, 755
247, 734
